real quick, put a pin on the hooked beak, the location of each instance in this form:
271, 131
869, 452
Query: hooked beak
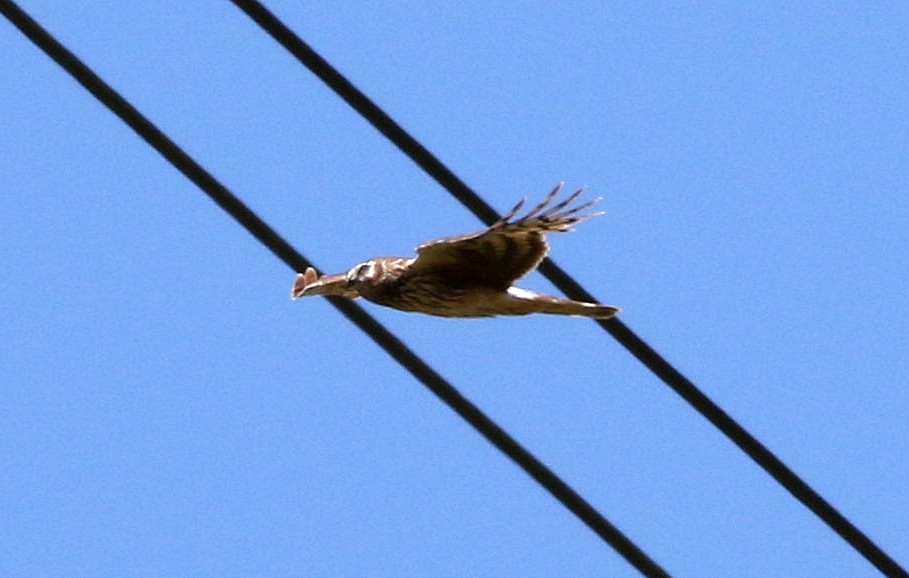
309, 283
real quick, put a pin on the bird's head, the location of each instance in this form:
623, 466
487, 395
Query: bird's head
363, 273
377, 272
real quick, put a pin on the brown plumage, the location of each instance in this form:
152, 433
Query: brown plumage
467, 275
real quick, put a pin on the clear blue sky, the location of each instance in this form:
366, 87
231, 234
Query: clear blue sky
166, 410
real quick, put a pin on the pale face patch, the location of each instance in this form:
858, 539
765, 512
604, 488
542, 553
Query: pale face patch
363, 272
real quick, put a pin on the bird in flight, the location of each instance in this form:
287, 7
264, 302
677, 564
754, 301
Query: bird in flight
467, 275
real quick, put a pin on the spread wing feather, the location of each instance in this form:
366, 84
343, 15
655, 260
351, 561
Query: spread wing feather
507, 250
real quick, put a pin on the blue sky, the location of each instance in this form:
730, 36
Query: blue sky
168, 411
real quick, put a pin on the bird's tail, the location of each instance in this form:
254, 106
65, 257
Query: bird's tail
524, 301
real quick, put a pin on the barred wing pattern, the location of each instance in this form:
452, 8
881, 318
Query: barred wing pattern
507, 250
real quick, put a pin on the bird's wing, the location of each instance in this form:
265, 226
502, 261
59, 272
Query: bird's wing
507, 250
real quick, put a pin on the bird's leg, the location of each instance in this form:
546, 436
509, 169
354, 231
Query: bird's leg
309, 283
301, 281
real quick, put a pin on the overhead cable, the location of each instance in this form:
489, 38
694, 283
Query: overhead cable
757, 451
395, 348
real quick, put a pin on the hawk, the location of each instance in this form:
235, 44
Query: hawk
467, 275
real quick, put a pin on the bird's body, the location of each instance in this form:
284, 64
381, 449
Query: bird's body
467, 275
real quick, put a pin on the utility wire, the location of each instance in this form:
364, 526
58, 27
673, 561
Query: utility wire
284, 251
571, 288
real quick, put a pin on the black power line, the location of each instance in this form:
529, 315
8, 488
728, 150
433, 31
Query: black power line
284, 251
621, 332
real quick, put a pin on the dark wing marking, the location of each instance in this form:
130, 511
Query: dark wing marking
507, 250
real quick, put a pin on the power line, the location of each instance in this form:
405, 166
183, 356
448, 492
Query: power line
284, 251
622, 333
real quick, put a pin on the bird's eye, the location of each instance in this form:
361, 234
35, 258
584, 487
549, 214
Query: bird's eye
357, 273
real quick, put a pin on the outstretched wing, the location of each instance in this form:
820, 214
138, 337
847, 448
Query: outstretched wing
507, 250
